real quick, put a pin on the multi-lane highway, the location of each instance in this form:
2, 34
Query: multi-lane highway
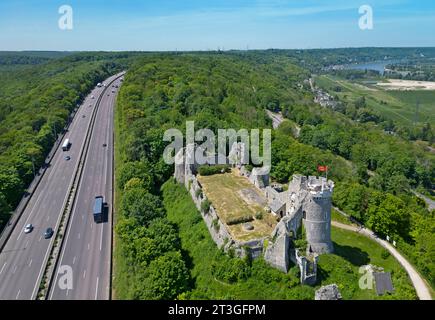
87, 247
24, 257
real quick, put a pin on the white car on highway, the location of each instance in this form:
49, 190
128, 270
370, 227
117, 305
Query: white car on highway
28, 228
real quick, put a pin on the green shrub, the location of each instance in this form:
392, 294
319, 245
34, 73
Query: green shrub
211, 170
198, 193
301, 244
239, 220
385, 254
249, 167
216, 225
205, 206
230, 270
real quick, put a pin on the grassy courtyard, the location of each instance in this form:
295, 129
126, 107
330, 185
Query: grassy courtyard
234, 197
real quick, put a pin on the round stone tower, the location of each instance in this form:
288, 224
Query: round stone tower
317, 215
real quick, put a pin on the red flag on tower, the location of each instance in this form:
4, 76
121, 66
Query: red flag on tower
322, 168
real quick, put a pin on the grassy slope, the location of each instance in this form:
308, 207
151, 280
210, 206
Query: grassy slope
336, 216
359, 250
266, 282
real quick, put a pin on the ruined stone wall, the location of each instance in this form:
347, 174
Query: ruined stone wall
307, 268
277, 250
311, 208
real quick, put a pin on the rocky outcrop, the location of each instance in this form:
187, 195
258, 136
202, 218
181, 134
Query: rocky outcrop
329, 292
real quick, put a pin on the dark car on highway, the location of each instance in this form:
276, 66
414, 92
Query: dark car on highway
48, 233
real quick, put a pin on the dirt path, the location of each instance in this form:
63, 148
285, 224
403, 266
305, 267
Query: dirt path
419, 284
430, 203
277, 118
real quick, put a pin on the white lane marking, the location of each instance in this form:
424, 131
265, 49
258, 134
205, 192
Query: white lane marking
96, 290
68, 232
78, 237
88, 246
15, 269
48, 218
74, 259
84, 274
101, 240
48, 251
30, 263
83, 217
3, 268
18, 294
27, 243
40, 238
92, 226
42, 195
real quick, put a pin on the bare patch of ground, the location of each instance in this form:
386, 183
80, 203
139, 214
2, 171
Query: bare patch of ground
406, 85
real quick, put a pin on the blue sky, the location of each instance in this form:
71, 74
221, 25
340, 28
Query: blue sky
213, 24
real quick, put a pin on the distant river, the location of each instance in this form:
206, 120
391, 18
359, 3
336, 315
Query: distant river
375, 65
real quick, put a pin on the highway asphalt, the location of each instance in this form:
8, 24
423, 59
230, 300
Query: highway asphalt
23, 258
87, 247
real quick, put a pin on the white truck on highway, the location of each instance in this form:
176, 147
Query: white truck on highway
98, 209
66, 145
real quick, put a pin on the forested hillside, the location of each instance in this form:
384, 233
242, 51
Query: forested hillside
316, 60
159, 93
35, 104
234, 90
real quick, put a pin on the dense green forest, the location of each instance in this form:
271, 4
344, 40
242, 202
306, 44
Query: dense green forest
233, 90
38, 92
29, 57
159, 93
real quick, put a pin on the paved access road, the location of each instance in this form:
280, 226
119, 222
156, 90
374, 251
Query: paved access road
419, 284
23, 258
87, 246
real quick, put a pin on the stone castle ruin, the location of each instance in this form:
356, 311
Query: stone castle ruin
306, 203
